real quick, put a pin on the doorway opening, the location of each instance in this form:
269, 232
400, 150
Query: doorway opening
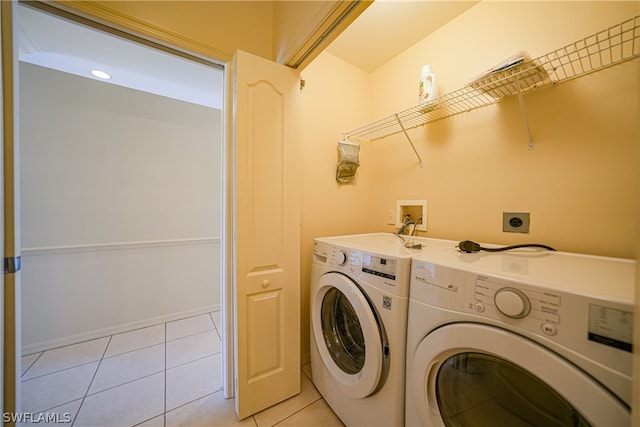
121, 221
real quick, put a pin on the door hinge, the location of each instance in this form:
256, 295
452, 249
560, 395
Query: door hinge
12, 265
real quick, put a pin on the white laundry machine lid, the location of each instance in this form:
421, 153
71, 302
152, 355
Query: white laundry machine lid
388, 243
600, 277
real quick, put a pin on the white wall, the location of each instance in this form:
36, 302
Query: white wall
120, 208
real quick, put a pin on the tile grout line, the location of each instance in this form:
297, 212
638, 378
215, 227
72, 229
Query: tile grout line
91, 382
124, 383
132, 350
191, 361
193, 335
105, 357
32, 363
83, 341
296, 412
194, 400
58, 371
215, 327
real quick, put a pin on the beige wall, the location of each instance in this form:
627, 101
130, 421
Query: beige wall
580, 183
336, 97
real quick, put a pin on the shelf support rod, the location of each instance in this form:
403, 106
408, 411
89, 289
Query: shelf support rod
409, 139
532, 144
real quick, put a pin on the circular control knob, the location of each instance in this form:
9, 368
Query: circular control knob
512, 303
342, 258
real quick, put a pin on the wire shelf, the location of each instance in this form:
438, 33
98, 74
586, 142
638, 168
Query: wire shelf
611, 46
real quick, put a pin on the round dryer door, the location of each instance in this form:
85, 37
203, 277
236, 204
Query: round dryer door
350, 341
480, 375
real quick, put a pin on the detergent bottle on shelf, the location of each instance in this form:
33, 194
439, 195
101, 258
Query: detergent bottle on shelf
427, 90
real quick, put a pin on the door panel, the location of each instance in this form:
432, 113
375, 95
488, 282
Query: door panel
265, 179
267, 357
569, 383
336, 293
266, 249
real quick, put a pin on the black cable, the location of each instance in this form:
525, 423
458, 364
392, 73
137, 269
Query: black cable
469, 247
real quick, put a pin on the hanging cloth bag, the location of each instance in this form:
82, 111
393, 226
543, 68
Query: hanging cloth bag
348, 161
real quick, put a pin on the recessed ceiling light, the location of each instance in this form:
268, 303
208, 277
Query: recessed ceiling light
101, 74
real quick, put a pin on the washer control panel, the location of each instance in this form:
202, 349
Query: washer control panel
356, 261
383, 271
379, 266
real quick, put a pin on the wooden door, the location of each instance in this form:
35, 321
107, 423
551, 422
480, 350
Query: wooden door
267, 233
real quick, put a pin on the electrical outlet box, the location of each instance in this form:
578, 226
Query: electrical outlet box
515, 222
417, 211
391, 217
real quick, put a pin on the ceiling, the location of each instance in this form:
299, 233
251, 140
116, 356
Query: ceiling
388, 27
56, 43
381, 32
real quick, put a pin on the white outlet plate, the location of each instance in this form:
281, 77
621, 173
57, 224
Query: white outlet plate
391, 217
416, 208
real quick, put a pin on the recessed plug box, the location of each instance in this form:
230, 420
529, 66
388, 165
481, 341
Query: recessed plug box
515, 222
417, 211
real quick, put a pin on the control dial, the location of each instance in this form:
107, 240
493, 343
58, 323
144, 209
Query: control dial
512, 303
342, 257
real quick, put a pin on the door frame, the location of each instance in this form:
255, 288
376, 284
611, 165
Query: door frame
122, 28
11, 345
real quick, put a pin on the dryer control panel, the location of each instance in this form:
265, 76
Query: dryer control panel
583, 323
516, 303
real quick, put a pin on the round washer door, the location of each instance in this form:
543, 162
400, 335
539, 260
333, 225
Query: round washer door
347, 335
470, 374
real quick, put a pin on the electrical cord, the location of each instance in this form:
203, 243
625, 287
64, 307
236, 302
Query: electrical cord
470, 247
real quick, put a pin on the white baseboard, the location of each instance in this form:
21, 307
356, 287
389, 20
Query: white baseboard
112, 330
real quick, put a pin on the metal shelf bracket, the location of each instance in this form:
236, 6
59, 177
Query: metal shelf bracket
523, 110
410, 142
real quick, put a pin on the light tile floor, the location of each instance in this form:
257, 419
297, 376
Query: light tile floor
160, 376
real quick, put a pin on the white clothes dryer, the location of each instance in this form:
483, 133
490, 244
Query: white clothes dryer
359, 299
519, 338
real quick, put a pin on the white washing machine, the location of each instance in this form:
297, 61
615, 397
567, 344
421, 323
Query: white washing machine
519, 338
359, 299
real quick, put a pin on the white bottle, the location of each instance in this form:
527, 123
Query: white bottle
427, 90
